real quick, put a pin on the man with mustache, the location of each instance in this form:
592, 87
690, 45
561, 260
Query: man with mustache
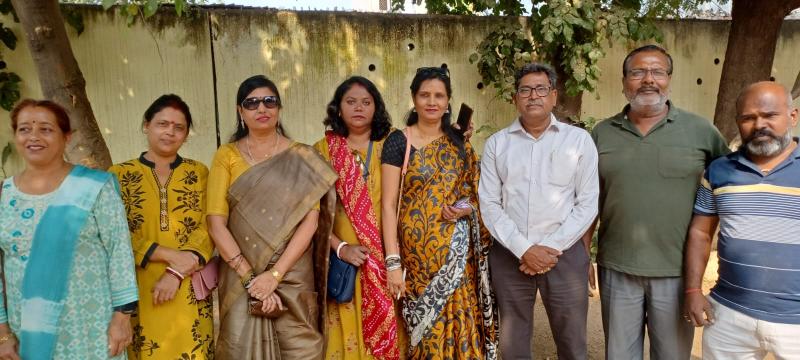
652, 155
538, 195
754, 308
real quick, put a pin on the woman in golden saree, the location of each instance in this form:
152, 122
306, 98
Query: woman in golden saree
269, 225
438, 261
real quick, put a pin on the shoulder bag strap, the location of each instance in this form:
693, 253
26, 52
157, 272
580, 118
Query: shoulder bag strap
403, 171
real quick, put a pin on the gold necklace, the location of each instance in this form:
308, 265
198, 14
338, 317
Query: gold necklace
267, 155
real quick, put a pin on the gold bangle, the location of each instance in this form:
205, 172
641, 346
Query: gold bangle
6, 337
276, 274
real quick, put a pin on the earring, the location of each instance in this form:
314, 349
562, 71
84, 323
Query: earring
241, 123
413, 110
447, 111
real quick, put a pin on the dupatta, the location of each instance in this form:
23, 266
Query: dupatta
378, 315
47, 274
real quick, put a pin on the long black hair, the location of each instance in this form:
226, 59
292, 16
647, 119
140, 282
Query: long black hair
381, 122
245, 88
442, 74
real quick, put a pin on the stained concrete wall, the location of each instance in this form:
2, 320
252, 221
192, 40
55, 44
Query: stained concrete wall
308, 54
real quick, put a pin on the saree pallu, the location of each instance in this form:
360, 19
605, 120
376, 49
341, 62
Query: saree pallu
449, 309
267, 203
367, 327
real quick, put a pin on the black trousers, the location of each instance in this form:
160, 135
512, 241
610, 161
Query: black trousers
564, 290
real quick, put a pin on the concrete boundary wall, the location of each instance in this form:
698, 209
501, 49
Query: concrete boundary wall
308, 54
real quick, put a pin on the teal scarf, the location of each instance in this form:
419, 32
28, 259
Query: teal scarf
44, 287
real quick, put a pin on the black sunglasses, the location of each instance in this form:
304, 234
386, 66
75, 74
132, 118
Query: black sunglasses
270, 102
434, 70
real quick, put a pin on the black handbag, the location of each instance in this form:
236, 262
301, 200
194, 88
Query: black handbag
341, 279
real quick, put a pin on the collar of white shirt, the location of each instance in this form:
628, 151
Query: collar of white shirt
555, 125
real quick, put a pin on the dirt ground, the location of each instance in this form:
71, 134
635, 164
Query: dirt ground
544, 348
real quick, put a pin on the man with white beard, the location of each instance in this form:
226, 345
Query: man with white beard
651, 158
754, 195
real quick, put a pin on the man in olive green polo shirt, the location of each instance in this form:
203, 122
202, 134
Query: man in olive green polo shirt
652, 157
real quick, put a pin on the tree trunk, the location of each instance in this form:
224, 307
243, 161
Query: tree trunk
568, 108
60, 78
752, 39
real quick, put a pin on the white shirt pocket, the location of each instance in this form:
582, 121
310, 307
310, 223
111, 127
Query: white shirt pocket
563, 167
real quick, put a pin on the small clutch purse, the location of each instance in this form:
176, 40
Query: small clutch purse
254, 309
341, 279
205, 280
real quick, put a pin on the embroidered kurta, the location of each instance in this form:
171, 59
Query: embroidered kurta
101, 276
172, 215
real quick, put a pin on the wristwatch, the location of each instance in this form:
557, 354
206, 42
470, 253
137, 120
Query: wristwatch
277, 275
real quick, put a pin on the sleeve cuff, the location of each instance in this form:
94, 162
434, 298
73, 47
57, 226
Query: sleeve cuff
127, 308
148, 254
201, 259
518, 248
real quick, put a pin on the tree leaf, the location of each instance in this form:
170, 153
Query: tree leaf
7, 150
179, 6
150, 8
8, 37
73, 18
107, 4
9, 90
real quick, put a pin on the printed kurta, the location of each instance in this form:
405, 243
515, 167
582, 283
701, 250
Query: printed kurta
172, 216
101, 276
441, 256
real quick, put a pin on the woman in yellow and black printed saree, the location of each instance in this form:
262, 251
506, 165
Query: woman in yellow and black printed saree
438, 261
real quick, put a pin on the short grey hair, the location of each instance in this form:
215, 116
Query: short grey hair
533, 68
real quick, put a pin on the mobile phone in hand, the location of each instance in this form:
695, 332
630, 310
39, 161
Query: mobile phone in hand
464, 117
462, 203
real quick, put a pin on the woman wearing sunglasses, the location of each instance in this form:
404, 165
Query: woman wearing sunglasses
164, 196
358, 123
269, 225
438, 261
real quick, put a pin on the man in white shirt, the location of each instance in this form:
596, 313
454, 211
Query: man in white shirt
538, 196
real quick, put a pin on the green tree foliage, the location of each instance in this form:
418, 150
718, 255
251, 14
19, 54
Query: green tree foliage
569, 34
144, 9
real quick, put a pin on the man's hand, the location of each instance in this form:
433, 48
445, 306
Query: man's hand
592, 279
539, 259
697, 310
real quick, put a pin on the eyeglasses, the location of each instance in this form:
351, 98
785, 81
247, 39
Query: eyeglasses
434, 70
638, 74
540, 91
270, 102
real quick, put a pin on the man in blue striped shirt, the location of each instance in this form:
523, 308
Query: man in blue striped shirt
754, 195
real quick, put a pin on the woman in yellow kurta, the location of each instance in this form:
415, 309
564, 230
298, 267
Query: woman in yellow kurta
164, 196
366, 327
